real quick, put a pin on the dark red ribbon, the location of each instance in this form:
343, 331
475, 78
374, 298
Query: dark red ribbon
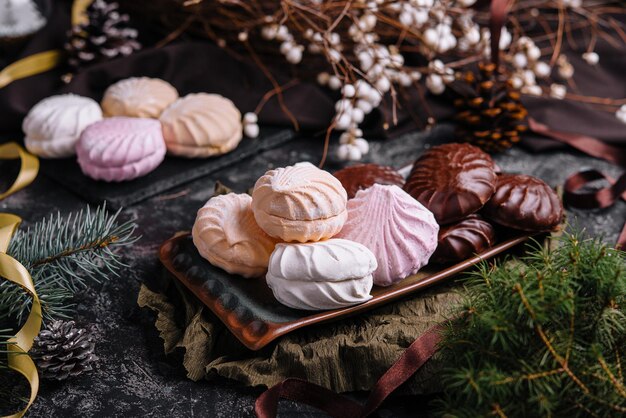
339, 406
498, 10
602, 198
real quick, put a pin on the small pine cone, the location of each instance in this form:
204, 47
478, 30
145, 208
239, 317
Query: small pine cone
106, 35
63, 350
490, 113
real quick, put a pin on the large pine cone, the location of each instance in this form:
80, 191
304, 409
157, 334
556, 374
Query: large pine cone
490, 112
63, 350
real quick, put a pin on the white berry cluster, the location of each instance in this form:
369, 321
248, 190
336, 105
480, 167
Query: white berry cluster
352, 147
288, 47
251, 125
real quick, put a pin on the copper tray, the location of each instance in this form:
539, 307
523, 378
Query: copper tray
249, 310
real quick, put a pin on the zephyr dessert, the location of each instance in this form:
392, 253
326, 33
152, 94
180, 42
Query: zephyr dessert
452, 181
139, 97
120, 148
201, 125
299, 203
54, 125
321, 275
226, 234
400, 232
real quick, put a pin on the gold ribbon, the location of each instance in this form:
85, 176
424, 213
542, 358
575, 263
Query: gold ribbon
28, 170
42, 61
29, 66
13, 271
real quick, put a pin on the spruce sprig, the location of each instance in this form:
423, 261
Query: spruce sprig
541, 336
63, 254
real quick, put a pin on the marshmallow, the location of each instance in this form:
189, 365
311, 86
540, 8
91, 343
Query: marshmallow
139, 97
299, 203
201, 125
398, 229
321, 275
53, 126
226, 234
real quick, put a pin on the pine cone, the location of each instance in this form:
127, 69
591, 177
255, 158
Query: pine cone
62, 350
490, 113
106, 35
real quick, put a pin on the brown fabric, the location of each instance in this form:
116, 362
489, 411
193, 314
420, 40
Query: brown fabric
331, 355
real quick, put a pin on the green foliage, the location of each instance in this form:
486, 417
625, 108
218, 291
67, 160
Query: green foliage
541, 336
63, 254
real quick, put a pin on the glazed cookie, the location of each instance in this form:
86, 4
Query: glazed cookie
53, 126
226, 234
525, 203
464, 239
299, 203
201, 125
321, 275
452, 181
139, 97
120, 148
400, 232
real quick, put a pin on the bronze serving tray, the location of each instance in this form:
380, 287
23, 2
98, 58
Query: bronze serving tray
249, 310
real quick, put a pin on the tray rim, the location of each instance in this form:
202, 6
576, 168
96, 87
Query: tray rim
276, 330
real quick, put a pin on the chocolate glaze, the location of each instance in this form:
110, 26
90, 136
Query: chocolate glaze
362, 176
525, 203
462, 240
453, 181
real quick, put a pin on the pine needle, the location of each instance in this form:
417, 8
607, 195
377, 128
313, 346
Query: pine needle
541, 336
63, 254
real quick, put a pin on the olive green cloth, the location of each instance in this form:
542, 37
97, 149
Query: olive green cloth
346, 355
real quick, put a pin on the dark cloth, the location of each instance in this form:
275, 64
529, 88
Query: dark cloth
198, 65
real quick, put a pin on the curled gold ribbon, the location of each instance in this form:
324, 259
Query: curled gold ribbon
13, 271
43, 61
28, 170
29, 66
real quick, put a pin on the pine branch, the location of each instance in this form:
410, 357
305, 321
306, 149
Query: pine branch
541, 336
63, 254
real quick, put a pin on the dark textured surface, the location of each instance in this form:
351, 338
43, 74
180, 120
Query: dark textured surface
134, 378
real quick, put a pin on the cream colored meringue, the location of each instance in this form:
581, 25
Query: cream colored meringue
398, 229
201, 125
299, 203
139, 97
226, 234
53, 126
321, 275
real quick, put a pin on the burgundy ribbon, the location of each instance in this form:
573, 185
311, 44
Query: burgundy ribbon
336, 405
602, 198
498, 10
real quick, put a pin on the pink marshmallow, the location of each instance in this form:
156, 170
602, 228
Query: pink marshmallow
398, 229
121, 148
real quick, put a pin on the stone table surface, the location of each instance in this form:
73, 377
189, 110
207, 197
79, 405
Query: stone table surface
134, 377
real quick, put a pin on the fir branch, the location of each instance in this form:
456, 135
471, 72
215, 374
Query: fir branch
63, 254
541, 336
